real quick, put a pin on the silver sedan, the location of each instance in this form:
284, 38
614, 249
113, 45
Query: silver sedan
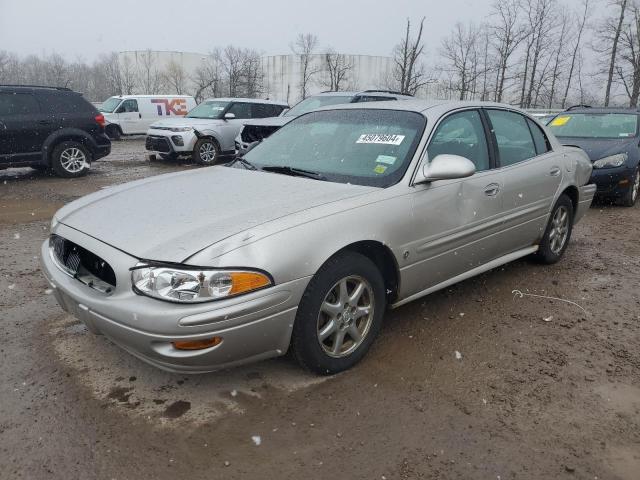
305, 242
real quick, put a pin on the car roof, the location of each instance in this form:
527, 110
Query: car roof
249, 100
368, 93
33, 88
422, 106
150, 96
628, 111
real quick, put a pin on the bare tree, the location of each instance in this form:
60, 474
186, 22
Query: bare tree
304, 46
149, 77
576, 50
338, 67
459, 51
175, 78
611, 31
128, 76
507, 33
559, 54
207, 78
629, 69
252, 73
408, 73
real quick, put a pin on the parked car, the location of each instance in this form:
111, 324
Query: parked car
610, 137
306, 241
208, 131
134, 114
257, 130
50, 128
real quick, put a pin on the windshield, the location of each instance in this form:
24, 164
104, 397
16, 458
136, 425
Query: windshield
595, 125
110, 105
313, 103
359, 146
211, 109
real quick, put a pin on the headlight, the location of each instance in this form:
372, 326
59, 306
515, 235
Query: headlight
54, 222
611, 162
189, 285
181, 129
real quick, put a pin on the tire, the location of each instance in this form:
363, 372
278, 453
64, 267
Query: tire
558, 232
114, 132
206, 151
70, 159
338, 319
629, 199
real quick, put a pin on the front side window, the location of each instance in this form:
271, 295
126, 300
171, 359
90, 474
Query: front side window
515, 143
313, 103
209, 109
128, 106
17, 104
461, 134
595, 125
359, 146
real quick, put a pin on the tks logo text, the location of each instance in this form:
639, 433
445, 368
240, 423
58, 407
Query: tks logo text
177, 106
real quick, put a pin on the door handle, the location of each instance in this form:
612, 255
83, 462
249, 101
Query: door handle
139, 115
555, 171
492, 190
44, 122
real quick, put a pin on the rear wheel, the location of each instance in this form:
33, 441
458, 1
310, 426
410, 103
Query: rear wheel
206, 151
629, 199
70, 159
558, 233
339, 315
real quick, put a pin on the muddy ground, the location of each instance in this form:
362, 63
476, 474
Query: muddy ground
471, 382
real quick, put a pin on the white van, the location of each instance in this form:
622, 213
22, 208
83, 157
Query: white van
134, 114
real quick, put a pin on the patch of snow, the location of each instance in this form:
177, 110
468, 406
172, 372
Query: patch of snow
257, 440
458, 355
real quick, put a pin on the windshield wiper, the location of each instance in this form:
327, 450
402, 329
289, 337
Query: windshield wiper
245, 163
294, 172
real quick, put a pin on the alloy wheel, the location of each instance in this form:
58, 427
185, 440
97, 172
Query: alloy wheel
559, 230
207, 152
73, 160
345, 317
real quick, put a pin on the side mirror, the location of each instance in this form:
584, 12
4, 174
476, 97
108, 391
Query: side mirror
445, 167
229, 116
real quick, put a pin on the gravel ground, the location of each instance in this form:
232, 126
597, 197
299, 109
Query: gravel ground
471, 382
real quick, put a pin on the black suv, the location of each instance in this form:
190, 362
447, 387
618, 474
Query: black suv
50, 128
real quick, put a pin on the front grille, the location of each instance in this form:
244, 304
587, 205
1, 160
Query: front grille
82, 265
257, 133
157, 144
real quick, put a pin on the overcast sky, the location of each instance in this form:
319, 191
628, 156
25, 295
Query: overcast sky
86, 28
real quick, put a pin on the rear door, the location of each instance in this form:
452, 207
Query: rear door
532, 175
23, 127
456, 220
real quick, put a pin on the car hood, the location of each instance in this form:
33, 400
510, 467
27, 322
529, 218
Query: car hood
270, 122
187, 122
599, 148
171, 217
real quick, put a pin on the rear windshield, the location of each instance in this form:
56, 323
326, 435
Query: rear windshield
595, 125
313, 103
358, 146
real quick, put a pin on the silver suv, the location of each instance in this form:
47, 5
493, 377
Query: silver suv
208, 131
255, 131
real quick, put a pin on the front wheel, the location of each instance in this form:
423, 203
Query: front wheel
339, 315
206, 151
629, 199
113, 132
556, 237
70, 159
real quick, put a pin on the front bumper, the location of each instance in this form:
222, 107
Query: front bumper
612, 182
253, 327
165, 141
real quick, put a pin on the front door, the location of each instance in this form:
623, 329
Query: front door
456, 220
129, 117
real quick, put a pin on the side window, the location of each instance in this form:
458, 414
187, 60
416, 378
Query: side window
128, 106
515, 143
276, 110
18, 104
241, 110
539, 138
462, 134
262, 110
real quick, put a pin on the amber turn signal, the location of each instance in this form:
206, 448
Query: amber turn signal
247, 281
197, 344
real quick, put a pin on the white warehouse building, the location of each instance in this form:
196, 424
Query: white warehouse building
282, 74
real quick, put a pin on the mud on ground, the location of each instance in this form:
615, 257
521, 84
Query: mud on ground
471, 382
